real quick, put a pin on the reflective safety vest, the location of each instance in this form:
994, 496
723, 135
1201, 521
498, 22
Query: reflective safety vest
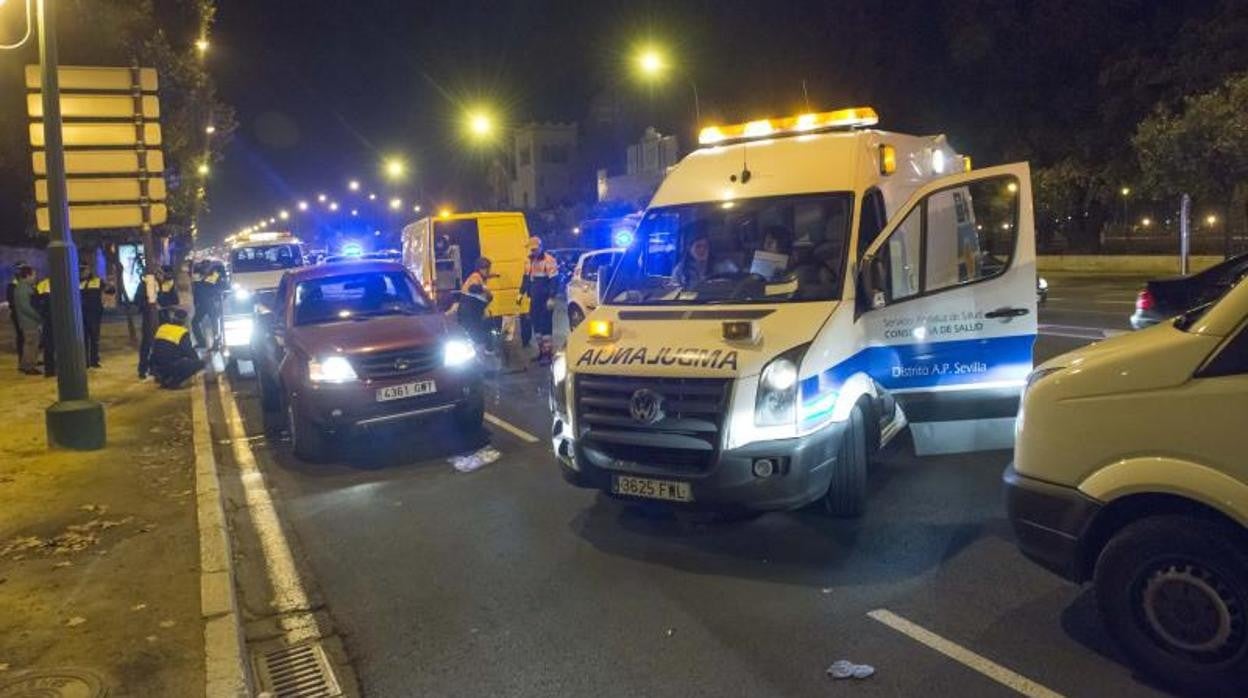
474, 279
211, 278
167, 286
92, 284
170, 333
44, 287
546, 267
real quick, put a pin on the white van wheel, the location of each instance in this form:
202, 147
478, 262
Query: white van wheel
847, 493
1173, 591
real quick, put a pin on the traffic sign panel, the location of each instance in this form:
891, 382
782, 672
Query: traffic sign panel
73, 77
93, 162
84, 191
89, 217
96, 106
98, 134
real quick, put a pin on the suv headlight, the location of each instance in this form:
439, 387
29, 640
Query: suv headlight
457, 352
331, 369
776, 401
242, 295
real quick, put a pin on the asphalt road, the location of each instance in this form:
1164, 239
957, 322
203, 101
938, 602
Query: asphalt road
508, 582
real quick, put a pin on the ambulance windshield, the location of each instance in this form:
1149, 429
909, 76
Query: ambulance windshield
764, 250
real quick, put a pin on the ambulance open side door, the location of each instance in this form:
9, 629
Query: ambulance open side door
946, 303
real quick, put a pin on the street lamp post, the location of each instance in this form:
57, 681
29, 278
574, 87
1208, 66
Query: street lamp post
74, 420
652, 64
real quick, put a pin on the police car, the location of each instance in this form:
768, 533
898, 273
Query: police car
798, 292
257, 262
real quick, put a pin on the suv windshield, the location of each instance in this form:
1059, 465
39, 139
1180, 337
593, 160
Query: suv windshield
772, 249
265, 258
356, 296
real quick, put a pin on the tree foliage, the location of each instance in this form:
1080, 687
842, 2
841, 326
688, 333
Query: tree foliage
119, 32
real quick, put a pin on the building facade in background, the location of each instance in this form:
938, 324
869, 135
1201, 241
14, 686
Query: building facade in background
544, 168
648, 162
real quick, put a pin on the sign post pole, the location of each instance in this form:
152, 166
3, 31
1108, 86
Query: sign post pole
74, 421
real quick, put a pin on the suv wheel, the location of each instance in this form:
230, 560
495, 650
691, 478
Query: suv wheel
847, 495
306, 438
1173, 591
575, 316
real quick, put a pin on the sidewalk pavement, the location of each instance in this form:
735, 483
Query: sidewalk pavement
99, 551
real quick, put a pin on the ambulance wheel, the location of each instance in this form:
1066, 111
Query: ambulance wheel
1173, 591
847, 494
575, 316
307, 440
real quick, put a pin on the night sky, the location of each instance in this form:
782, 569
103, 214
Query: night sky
325, 90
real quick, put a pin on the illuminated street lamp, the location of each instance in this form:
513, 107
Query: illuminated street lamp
396, 204
1211, 220
322, 198
333, 205
202, 46
651, 64
354, 185
394, 168
416, 208
272, 221
203, 169
284, 214
209, 129
480, 125
372, 197
1146, 221
355, 211
303, 205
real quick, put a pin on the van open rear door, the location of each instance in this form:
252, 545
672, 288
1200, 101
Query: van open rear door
947, 298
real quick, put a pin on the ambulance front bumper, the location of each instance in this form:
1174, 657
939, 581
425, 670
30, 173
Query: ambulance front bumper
800, 470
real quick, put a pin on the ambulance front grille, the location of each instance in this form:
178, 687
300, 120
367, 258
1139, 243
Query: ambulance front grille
687, 438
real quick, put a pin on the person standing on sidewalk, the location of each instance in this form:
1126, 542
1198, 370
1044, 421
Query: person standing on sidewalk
206, 294
174, 360
9, 291
167, 296
92, 289
27, 317
43, 303
146, 300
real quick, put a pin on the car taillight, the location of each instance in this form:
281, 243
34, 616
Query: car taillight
1144, 301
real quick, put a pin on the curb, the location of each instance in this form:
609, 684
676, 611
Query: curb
225, 660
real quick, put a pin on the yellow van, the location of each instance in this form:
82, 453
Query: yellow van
442, 250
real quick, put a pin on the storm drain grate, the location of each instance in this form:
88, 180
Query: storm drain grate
297, 671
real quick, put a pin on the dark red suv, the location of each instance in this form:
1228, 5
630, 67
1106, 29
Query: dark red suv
351, 346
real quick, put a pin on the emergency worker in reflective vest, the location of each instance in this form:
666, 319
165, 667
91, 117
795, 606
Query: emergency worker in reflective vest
43, 303
92, 289
541, 271
174, 360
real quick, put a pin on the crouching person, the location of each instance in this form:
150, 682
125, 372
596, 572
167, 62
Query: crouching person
174, 360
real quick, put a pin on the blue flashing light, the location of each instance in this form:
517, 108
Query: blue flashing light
622, 238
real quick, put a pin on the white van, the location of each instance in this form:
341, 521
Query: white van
257, 262
1131, 472
798, 292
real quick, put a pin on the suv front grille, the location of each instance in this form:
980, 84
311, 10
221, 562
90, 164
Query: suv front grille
687, 438
397, 364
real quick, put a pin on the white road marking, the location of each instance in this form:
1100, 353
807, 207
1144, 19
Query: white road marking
963, 656
289, 595
512, 429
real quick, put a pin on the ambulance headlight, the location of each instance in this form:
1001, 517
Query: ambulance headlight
558, 383
776, 402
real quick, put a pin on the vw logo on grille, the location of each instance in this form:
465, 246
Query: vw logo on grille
402, 364
646, 406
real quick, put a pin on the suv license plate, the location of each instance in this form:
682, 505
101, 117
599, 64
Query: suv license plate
667, 490
398, 392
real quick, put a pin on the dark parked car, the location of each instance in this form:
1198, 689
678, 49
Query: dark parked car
1165, 298
348, 347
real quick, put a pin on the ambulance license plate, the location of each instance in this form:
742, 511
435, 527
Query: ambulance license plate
667, 490
405, 390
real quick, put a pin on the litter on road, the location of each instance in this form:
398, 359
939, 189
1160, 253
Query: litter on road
845, 669
476, 460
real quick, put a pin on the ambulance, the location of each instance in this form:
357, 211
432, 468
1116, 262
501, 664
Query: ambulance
799, 292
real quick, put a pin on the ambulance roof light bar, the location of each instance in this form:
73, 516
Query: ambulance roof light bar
854, 117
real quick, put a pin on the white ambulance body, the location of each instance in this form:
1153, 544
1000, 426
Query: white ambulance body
857, 281
257, 261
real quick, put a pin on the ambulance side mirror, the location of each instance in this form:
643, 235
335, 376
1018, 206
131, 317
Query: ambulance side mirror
600, 286
872, 283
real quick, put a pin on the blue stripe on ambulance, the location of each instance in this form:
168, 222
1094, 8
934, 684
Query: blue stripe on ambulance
928, 366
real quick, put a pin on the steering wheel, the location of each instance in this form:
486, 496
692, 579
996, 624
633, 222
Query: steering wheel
735, 282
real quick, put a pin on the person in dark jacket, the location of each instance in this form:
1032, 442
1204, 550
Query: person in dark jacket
146, 301
92, 289
167, 293
27, 317
206, 294
9, 291
174, 360
43, 303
